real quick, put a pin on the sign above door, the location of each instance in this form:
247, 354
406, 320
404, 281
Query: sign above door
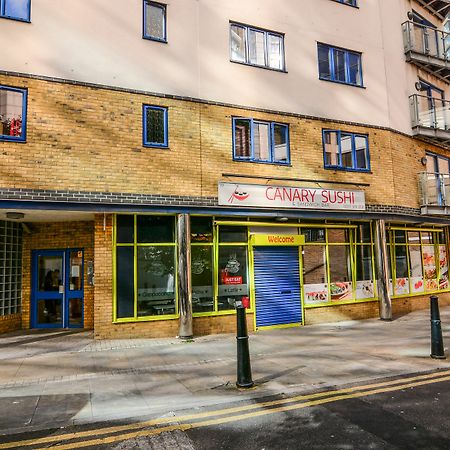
239, 195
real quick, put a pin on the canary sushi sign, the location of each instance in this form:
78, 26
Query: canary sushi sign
232, 194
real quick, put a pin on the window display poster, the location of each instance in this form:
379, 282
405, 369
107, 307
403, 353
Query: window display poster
417, 285
340, 291
401, 286
365, 289
315, 293
443, 268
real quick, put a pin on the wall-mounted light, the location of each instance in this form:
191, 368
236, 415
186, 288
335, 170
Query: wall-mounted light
423, 160
14, 215
281, 219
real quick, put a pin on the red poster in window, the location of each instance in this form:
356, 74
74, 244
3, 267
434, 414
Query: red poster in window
226, 279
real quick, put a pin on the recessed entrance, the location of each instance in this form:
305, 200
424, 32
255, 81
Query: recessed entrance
57, 296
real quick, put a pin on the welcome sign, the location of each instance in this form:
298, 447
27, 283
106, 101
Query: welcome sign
233, 194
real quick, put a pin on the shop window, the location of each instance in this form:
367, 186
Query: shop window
201, 229
256, 47
347, 151
419, 261
202, 263
258, 141
339, 65
155, 21
16, 9
145, 267
155, 126
13, 114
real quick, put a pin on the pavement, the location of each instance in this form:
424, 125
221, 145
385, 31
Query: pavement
52, 379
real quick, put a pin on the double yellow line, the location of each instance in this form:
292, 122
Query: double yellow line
119, 433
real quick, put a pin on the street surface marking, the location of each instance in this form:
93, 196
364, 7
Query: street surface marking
323, 397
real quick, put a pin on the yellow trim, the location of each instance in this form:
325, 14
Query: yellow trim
350, 302
147, 318
282, 225
420, 294
264, 240
284, 325
431, 230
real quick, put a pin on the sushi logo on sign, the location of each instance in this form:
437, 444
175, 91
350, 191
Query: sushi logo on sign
231, 194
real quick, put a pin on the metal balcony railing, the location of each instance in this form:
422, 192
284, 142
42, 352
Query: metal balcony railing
434, 189
429, 112
426, 41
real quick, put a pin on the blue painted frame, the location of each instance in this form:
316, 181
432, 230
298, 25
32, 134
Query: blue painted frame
146, 143
23, 136
21, 19
37, 295
247, 62
331, 50
340, 166
354, 3
271, 125
163, 6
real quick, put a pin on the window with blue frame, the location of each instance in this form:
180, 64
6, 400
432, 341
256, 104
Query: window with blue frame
256, 140
155, 21
256, 47
13, 114
348, 2
155, 126
339, 65
346, 151
15, 9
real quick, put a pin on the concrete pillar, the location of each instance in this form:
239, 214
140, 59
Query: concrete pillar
184, 276
381, 261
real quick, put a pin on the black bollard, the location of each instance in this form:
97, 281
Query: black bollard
437, 344
244, 370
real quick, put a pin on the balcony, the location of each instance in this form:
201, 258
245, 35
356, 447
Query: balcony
430, 119
427, 48
434, 191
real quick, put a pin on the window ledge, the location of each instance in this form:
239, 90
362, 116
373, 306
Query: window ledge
8, 139
343, 83
149, 38
258, 67
348, 169
262, 162
163, 147
17, 19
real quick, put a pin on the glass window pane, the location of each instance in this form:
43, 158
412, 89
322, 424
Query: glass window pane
232, 234
202, 278
125, 229
125, 281
443, 166
314, 234
256, 47
401, 270
280, 139
242, 138
346, 150
340, 272
151, 229
443, 267
428, 237
338, 235
155, 17
201, 229
331, 145
155, 126
339, 65
261, 141
413, 237
324, 61
314, 274
238, 36
49, 311
232, 276
276, 51
361, 152
355, 68
156, 281
10, 113
18, 9
50, 271
363, 233
399, 236
429, 267
364, 272
415, 263
76, 270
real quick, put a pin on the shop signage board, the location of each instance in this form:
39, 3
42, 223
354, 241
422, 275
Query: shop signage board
277, 239
234, 194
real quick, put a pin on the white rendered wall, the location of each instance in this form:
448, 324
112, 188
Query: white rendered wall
100, 41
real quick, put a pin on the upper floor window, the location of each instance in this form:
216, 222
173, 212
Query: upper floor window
348, 2
255, 140
339, 65
155, 21
257, 47
15, 9
155, 132
13, 113
348, 151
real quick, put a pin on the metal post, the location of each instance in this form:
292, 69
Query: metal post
437, 344
184, 276
244, 370
382, 270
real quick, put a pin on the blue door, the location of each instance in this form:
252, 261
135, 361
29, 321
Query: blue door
57, 291
277, 286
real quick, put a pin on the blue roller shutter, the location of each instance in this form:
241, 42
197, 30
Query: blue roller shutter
277, 286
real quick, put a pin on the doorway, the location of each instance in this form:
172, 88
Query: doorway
57, 290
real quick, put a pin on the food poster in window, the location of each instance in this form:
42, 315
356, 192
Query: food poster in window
401, 286
341, 288
415, 261
443, 267
232, 275
365, 289
429, 268
340, 291
315, 293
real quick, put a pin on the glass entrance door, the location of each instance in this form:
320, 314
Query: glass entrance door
57, 289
